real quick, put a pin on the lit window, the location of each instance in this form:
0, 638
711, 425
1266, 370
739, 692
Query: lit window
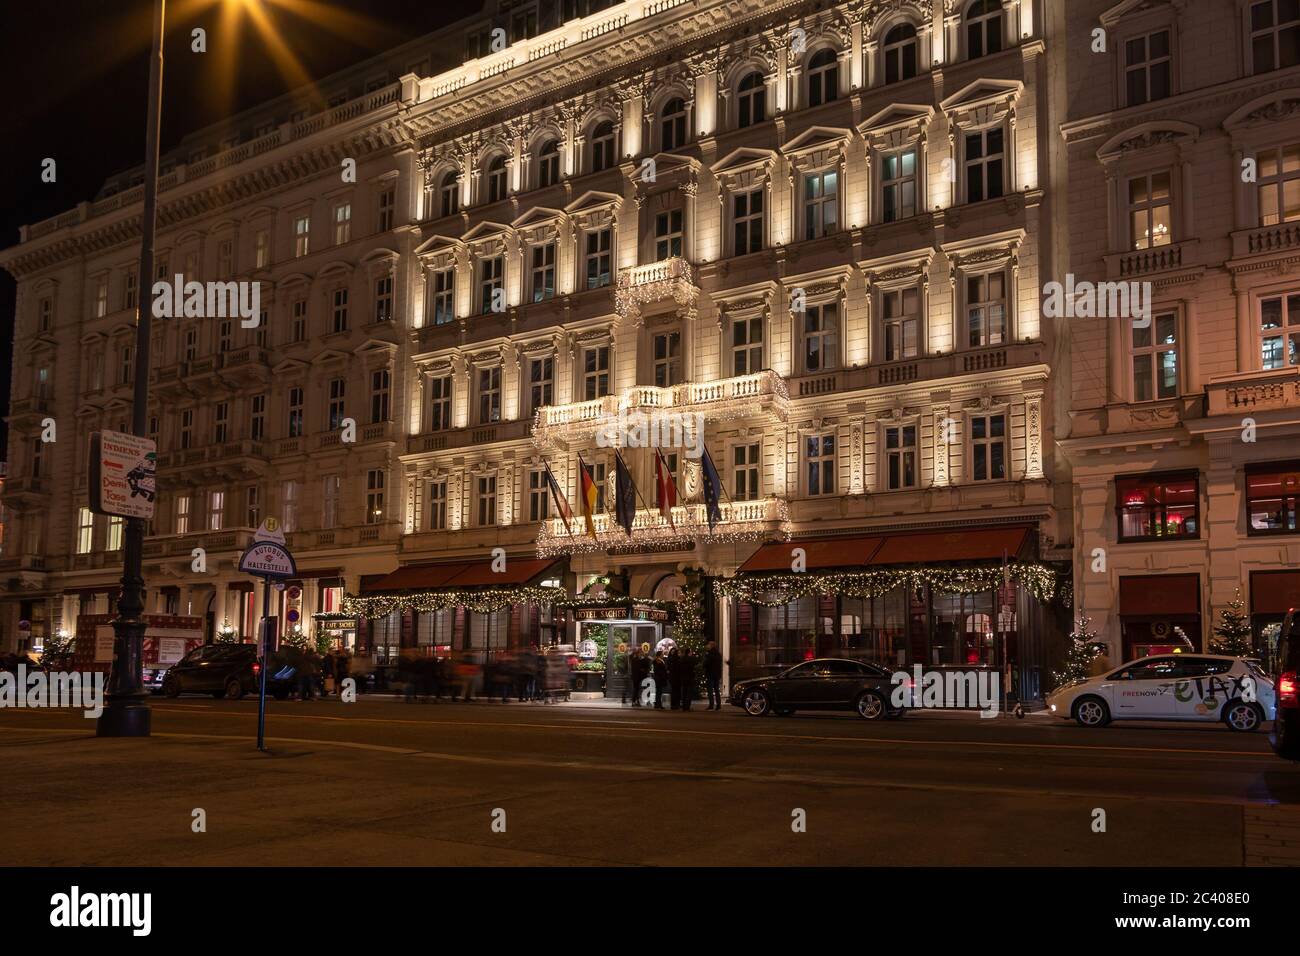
1155, 359
1150, 211
342, 223
1154, 507
986, 309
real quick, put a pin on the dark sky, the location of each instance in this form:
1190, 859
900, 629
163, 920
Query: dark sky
75, 74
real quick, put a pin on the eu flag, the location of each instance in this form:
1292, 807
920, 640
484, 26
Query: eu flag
624, 495
712, 490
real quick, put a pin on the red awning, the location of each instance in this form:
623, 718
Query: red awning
1159, 595
1274, 592
457, 574
822, 553
966, 544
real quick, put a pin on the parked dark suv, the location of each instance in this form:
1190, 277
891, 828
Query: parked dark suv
222, 670
1286, 672
827, 683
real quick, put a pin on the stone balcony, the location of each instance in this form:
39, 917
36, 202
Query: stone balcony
1153, 262
468, 437
926, 369
236, 459
29, 411
759, 393
1245, 393
741, 520
672, 280
1284, 237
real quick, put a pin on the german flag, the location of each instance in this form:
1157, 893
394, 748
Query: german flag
590, 495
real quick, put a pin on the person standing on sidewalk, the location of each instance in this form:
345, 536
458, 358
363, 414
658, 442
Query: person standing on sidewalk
661, 679
674, 663
713, 675
687, 662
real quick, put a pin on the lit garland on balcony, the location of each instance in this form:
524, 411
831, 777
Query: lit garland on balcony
489, 600
778, 590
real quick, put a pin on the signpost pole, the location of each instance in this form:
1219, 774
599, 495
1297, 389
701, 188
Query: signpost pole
266, 663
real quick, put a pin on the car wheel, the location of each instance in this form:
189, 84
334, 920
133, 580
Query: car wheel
1242, 715
1091, 712
757, 703
870, 705
785, 711
234, 689
171, 685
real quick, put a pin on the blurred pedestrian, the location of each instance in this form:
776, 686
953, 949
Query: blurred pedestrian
660, 667
639, 667
686, 663
674, 663
406, 671
713, 675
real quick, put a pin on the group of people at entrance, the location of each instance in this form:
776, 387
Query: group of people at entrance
675, 673
526, 675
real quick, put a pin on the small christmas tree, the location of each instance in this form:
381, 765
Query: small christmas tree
1083, 650
1232, 634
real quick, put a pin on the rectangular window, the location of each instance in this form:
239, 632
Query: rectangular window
541, 382
330, 501
539, 496
1279, 330
101, 296
252, 507
898, 185
129, 290
1150, 210
745, 472
187, 428
342, 223
1278, 170
289, 506
1155, 359
437, 505
115, 527
747, 345
599, 273
986, 309
380, 381
216, 510
821, 204
124, 365
747, 222
384, 298
1272, 498
257, 418
595, 372
1274, 34
543, 275
668, 234
225, 258
375, 496
262, 248
442, 301
183, 514
819, 462
301, 236
489, 395
338, 397
491, 279
86, 530
220, 422
900, 457
387, 200
439, 403
298, 332
45, 314
902, 324
984, 163
191, 344
225, 336
487, 500
1156, 507
339, 315
295, 412
988, 441
1147, 68
667, 359
821, 333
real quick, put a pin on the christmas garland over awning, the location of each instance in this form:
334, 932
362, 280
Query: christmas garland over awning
777, 590
484, 600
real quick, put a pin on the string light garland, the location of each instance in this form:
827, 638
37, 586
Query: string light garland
780, 589
488, 600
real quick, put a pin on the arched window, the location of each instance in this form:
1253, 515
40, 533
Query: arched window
496, 179
450, 191
602, 147
823, 77
983, 28
751, 100
900, 53
672, 125
548, 164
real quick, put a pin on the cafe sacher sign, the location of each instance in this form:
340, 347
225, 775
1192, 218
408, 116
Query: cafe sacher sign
122, 474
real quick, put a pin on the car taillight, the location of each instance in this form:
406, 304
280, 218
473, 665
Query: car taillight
257, 669
1286, 690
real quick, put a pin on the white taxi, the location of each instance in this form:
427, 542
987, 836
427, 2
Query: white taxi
1203, 687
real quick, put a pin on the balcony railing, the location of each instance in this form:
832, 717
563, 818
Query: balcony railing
1145, 262
741, 520
1281, 237
1246, 392
669, 280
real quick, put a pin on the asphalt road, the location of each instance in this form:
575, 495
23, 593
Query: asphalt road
383, 782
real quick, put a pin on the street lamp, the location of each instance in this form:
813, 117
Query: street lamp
126, 713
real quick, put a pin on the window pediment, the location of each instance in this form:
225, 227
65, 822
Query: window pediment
895, 126
818, 146
983, 102
1133, 8
744, 168
1148, 136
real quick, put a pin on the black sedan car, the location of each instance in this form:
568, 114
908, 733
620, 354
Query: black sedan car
1286, 670
223, 670
827, 683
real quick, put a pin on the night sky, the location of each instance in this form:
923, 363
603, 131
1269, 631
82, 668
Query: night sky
76, 84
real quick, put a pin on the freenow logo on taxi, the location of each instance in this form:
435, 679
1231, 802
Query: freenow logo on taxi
75, 909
